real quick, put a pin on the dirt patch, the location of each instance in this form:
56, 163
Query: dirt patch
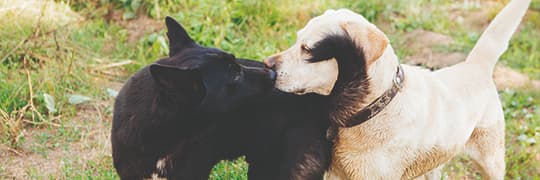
136, 27
425, 40
423, 44
140, 26
475, 16
86, 139
505, 77
93, 145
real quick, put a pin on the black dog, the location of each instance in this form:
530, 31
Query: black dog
165, 115
179, 116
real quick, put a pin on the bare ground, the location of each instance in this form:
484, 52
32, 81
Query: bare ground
424, 45
93, 144
136, 27
84, 138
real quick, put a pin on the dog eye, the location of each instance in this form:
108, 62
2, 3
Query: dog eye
305, 48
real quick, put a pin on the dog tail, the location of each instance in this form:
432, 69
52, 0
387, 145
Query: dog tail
494, 41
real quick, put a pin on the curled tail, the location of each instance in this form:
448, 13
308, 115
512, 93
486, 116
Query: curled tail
494, 41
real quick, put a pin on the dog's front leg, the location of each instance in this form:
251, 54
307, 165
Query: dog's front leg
307, 155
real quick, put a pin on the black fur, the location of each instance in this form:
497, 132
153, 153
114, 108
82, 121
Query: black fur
352, 84
290, 138
172, 109
201, 105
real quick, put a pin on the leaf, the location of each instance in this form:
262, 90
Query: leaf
522, 137
152, 37
135, 4
112, 92
78, 99
128, 15
49, 102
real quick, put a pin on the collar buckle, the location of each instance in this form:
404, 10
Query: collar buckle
398, 79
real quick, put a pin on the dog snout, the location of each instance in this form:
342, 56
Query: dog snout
272, 61
260, 74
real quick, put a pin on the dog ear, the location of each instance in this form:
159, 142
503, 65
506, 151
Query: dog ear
177, 79
372, 39
178, 37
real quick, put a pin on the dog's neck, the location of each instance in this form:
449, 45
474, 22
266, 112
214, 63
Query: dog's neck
360, 84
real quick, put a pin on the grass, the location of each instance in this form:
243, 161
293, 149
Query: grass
84, 47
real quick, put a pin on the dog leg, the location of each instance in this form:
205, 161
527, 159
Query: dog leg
486, 148
306, 154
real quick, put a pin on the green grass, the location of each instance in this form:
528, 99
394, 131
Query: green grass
236, 169
522, 112
60, 57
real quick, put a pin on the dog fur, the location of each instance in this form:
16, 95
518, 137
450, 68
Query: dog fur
172, 118
289, 138
435, 115
178, 117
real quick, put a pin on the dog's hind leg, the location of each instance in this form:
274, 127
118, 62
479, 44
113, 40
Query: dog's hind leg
486, 148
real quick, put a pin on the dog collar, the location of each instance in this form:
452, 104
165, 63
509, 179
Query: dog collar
378, 104
374, 107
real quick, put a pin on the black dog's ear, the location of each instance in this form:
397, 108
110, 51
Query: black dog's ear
178, 37
177, 79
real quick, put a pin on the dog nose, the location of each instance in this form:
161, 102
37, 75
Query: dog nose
271, 61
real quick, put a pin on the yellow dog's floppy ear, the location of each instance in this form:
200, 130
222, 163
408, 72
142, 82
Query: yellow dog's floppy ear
371, 39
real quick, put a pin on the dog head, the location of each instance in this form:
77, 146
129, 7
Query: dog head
212, 79
312, 63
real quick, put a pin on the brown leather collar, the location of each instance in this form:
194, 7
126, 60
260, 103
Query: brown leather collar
378, 104
374, 107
